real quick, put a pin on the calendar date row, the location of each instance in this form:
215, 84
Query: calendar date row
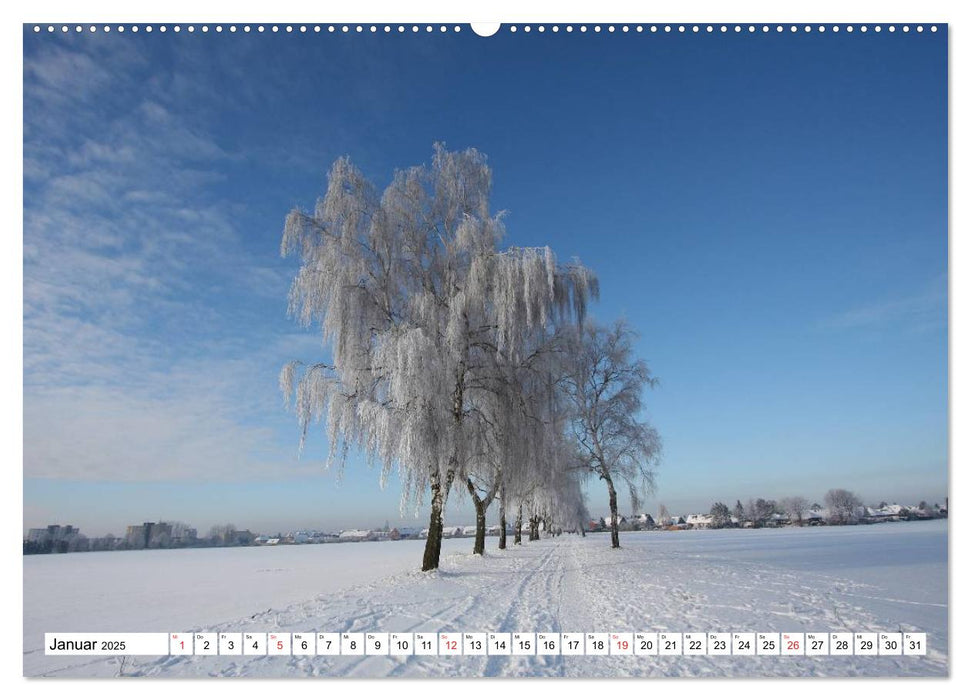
492, 644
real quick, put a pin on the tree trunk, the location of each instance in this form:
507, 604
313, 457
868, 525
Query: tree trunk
614, 532
583, 531
480, 528
502, 517
518, 535
433, 545
533, 528
479, 546
481, 506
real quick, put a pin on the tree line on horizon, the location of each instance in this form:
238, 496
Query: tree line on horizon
842, 507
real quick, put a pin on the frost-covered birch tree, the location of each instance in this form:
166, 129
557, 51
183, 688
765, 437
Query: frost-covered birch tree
842, 506
606, 385
413, 297
536, 451
561, 503
795, 507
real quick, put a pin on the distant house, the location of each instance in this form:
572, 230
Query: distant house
814, 517
698, 521
403, 533
354, 535
892, 512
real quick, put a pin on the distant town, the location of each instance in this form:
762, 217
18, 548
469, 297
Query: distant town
842, 508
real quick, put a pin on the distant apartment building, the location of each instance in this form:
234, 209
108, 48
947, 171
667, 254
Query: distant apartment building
137, 536
53, 538
149, 536
52, 533
37, 535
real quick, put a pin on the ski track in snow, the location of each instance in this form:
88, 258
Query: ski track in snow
566, 584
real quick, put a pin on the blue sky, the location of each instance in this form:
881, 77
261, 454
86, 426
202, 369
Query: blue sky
769, 211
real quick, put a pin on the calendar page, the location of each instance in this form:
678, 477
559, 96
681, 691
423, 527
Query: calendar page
603, 349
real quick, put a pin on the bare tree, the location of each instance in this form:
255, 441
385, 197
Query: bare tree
413, 295
795, 507
606, 386
842, 506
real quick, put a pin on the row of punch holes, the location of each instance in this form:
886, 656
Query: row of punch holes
487, 30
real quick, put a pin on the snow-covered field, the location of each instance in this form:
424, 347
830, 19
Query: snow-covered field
889, 577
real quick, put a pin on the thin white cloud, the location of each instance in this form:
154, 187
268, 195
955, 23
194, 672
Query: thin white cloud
132, 370
926, 310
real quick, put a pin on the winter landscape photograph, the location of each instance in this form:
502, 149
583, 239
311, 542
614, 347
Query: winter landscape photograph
397, 351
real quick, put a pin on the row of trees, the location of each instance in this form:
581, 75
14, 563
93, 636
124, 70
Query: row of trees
759, 510
841, 507
457, 362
